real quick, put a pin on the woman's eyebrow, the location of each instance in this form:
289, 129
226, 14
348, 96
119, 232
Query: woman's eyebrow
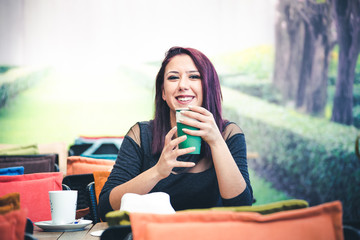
176, 72
193, 71
172, 72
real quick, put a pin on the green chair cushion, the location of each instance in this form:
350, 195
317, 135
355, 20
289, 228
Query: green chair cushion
123, 217
268, 208
20, 150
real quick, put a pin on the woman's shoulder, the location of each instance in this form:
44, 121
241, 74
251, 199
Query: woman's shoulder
138, 130
230, 129
146, 123
139, 126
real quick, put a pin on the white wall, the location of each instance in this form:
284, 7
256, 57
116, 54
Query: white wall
115, 31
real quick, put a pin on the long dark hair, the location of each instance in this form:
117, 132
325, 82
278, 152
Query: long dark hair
212, 97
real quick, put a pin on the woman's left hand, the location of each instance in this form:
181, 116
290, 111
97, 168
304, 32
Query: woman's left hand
208, 129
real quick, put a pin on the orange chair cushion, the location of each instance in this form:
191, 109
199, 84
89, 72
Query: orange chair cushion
9, 202
100, 178
84, 165
34, 192
319, 222
12, 225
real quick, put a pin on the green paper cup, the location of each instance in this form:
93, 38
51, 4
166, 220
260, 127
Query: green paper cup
191, 141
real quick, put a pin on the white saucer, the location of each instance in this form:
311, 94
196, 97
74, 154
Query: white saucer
49, 227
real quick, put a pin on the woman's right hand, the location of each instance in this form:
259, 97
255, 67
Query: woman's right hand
169, 154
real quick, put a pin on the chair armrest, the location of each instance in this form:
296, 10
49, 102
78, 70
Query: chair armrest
90, 189
65, 187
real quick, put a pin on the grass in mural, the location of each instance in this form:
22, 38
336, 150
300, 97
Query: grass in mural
263, 191
66, 105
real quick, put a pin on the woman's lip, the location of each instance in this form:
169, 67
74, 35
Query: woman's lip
185, 102
185, 96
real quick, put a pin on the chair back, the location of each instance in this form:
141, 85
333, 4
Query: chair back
31, 163
59, 148
96, 147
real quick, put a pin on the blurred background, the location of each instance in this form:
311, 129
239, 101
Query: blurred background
290, 75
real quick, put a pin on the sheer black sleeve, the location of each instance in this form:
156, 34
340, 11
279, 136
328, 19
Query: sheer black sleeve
235, 139
127, 166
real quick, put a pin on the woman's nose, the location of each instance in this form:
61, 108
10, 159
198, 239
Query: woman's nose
183, 83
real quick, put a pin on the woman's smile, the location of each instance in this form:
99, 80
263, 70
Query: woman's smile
185, 99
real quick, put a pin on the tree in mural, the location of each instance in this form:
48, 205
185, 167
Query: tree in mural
347, 18
303, 44
306, 32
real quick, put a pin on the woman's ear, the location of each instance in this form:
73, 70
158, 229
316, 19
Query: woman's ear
163, 94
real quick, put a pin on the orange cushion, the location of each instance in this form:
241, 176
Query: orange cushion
100, 178
34, 192
84, 165
12, 225
319, 222
9, 202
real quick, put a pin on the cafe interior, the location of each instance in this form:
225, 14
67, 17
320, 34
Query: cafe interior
57, 171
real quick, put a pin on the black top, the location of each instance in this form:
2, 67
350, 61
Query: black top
186, 190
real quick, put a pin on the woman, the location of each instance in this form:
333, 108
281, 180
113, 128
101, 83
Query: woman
150, 161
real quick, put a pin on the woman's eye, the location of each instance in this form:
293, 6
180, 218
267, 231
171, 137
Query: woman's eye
195, 77
173, 77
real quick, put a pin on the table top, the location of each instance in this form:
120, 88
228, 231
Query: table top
84, 234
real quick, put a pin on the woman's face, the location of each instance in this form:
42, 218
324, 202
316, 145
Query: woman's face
182, 83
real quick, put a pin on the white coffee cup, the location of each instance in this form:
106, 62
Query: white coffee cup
63, 206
